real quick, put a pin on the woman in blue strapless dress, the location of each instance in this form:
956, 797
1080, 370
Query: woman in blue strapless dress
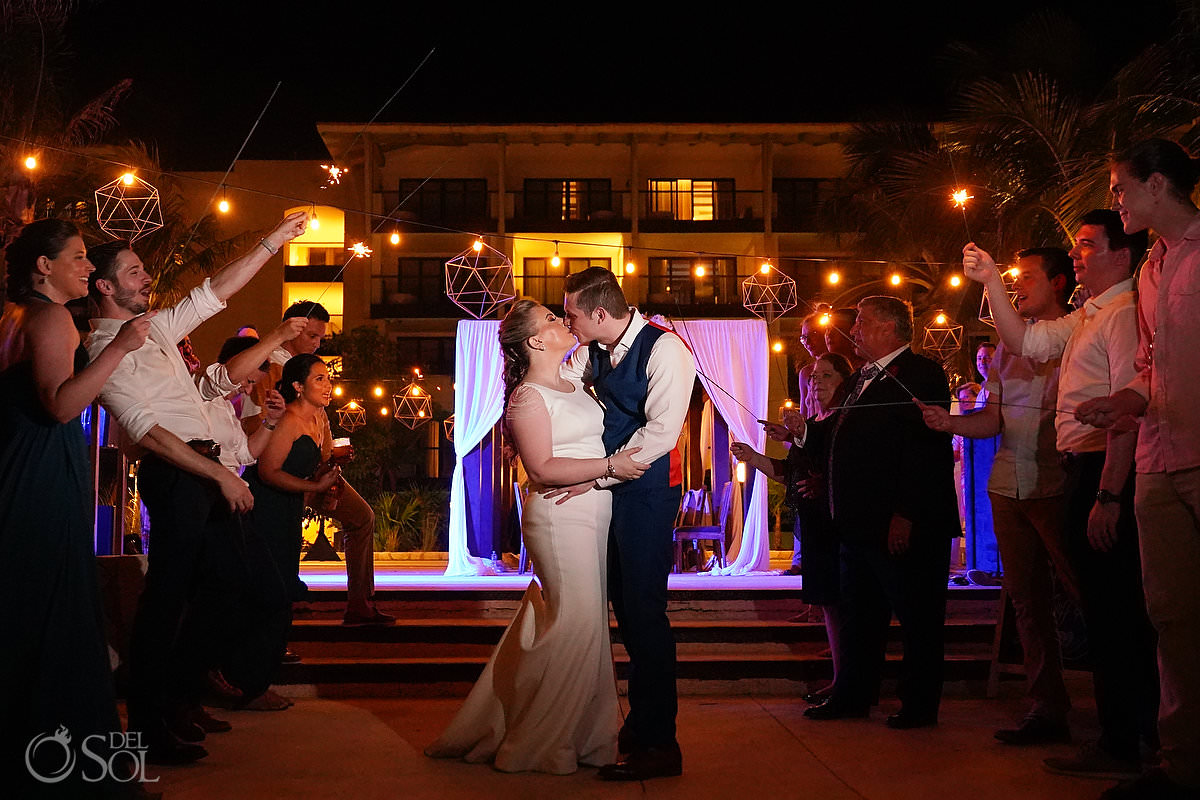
296, 461
55, 672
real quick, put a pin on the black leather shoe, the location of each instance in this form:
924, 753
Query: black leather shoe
207, 722
832, 710
819, 696
1035, 729
183, 727
646, 763
626, 741
904, 720
170, 751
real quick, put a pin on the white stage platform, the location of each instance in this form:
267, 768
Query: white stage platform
329, 576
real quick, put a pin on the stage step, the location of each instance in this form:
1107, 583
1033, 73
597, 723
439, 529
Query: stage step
729, 640
697, 673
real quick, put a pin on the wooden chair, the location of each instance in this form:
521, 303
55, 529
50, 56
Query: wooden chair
519, 500
690, 527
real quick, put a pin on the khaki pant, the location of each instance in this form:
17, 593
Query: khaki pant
357, 521
1168, 513
1032, 549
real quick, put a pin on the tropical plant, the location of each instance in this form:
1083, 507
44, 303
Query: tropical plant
410, 519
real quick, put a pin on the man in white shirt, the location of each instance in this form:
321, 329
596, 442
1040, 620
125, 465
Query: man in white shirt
187, 491
643, 374
1026, 491
1097, 343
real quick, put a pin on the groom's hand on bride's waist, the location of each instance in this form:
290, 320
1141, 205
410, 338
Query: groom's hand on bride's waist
565, 493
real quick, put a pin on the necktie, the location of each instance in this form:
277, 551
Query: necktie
865, 374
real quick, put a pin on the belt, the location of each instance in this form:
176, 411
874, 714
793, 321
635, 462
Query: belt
206, 447
1069, 458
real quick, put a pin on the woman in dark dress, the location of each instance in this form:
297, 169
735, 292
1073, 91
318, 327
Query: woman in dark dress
55, 668
818, 544
296, 461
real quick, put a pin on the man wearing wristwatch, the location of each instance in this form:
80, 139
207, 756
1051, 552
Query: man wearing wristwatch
1098, 344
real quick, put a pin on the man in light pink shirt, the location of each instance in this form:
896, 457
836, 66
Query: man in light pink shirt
1151, 186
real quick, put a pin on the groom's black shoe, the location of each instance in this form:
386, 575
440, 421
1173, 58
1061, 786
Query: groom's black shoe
646, 763
834, 710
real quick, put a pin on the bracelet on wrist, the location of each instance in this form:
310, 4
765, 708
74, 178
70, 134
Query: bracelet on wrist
269, 425
611, 472
268, 247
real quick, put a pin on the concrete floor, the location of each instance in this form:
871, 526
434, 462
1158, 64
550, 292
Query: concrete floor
747, 748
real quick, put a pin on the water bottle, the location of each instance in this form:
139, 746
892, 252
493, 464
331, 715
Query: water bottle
497, 564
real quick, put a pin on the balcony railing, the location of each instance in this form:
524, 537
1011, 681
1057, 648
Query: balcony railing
396, 296
733, 211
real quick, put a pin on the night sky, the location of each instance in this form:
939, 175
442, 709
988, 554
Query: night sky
202, 70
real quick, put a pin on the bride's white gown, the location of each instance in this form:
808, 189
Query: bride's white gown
547, 699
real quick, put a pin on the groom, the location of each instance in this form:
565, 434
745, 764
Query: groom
643, 374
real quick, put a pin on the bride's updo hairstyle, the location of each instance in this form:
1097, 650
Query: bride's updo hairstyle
295, 371
518, 325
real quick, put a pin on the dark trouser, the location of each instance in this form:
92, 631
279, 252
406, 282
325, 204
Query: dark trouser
640, 555
1121, 640
178, 631
913, 585
259, 632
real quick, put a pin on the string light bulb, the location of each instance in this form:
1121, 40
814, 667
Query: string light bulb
824, 320
788, 404
223, 205
777, 347
555, 260
313, 222
378, 391
127, 179
956, 281
30, 162
765, 268
383, 412
395, 237
940, 319
353, 405
337, 391
477, 245
630, 268
699, 271
834, 278
895, 279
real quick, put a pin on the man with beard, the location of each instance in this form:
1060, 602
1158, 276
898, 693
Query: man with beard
189, 494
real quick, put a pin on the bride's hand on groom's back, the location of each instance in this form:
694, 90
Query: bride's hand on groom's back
625, 467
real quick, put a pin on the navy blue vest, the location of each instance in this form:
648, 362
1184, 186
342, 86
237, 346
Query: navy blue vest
622, 390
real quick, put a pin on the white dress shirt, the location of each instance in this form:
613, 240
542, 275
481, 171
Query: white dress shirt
1098, 344
672, 373
151, 386
214, 387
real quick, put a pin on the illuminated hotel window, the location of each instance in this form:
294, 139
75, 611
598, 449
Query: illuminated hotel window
566, 199
691, 199
674, 280
323, 244
312, 259
544, 282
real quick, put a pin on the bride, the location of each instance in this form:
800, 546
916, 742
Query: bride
547, 700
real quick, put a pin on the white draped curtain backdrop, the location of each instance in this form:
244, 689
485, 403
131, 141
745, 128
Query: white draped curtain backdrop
732, 359
478, 403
